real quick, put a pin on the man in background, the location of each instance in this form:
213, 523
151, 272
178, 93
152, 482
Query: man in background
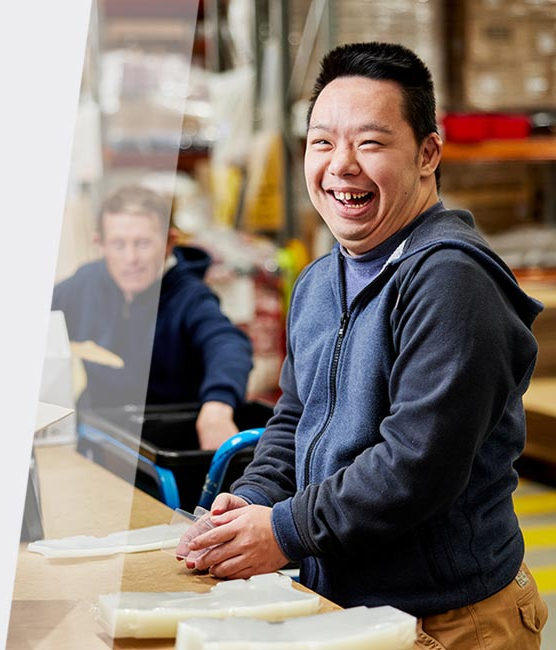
161, 334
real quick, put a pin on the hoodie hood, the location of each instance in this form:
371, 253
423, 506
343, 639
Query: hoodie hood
455, 229
193, 260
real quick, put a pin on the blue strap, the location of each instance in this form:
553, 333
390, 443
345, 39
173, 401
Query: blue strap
164, 478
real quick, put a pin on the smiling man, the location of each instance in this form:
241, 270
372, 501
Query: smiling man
366, 174
145, 301
387, 468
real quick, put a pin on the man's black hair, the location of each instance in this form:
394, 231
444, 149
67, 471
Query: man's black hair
388, 62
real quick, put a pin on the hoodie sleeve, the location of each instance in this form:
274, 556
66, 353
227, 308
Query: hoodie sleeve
62, 293
463, 355
67, 297
270, 477
226, 350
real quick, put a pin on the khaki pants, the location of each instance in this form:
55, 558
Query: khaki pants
509, 620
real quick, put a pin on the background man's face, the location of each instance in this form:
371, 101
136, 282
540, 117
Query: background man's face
134, 248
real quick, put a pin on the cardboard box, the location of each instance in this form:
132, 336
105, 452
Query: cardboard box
502, 55
541, 9
500, 196
521, 86
494, 209
494, 38
49, 414
503, 38
540, 37
544, 328
417, 25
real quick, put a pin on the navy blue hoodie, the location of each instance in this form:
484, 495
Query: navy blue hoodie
176, 344
389, 459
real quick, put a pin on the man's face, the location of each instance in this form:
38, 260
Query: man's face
134, 248
364, 171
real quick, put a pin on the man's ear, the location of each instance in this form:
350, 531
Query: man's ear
97, 239
173, 235
431, 153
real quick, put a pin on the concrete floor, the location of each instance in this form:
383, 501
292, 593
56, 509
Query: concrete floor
535, 505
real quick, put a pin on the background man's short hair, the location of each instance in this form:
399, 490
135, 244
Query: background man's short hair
140, 201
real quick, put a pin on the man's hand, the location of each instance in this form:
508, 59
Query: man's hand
241, 544
226, 501
223, 502
215, 424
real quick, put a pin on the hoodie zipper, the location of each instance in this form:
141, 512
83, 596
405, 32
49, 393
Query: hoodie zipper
344, 321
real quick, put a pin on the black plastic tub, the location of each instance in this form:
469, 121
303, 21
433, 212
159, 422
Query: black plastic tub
156, 449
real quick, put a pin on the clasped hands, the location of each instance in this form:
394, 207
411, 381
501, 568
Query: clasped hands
240, 544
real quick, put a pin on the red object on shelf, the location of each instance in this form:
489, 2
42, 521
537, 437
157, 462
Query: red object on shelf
476, 127
465, 127
510, 127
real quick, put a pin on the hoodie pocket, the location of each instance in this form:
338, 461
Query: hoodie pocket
435, 555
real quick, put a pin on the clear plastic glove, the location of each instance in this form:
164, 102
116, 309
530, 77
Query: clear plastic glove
202, 525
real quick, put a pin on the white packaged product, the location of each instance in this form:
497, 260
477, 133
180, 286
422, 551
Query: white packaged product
270, 597
358, 628
127, 541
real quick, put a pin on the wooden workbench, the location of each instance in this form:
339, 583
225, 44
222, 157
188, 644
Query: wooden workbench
540, 409
54, 601
539, 458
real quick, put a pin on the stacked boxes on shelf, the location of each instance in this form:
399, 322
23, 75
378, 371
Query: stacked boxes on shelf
544, 330
501, 196
417, 24
544, 327
508, 50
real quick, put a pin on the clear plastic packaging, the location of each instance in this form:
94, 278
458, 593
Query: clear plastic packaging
358, 628
165, 537
269, 596
151, 538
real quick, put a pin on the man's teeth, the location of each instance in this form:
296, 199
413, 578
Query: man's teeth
348, 196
